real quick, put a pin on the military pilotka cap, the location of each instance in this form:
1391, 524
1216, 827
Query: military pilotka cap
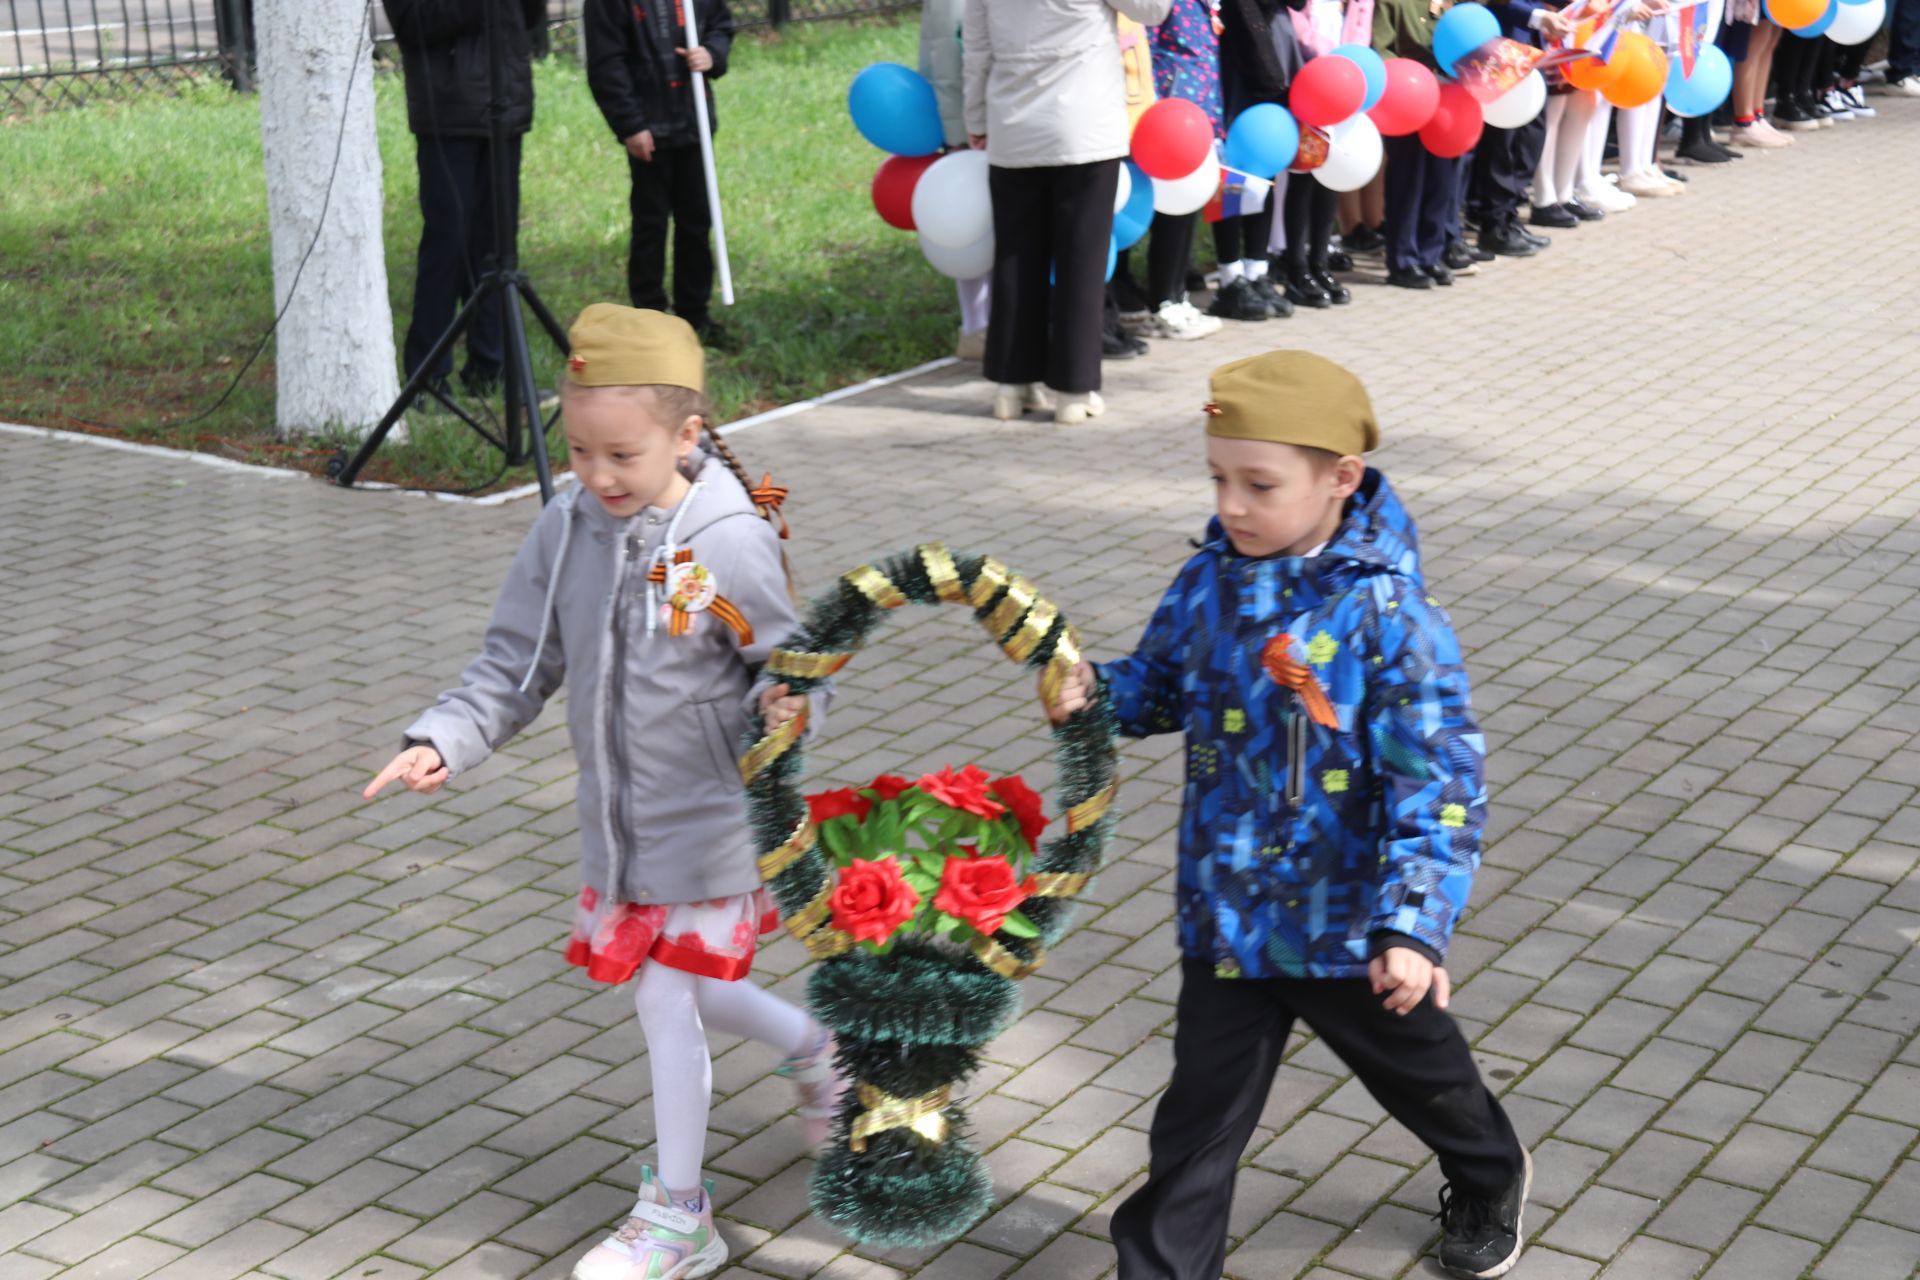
615, 346
1292, 397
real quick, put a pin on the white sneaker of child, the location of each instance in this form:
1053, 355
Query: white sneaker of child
662, 1240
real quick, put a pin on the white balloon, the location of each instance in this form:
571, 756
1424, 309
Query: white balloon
1353, 156
969, 262
1518, 105
1123, 192
1857, 23
1191, 193
952, 203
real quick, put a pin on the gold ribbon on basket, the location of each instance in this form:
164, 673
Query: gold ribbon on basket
809, 925
1027, 637
942, 573
987, 583
1012, 607
770, 748
775, 861
1004, 962
925, 1115
875, 586
1060, 884
1092, 809
813, 666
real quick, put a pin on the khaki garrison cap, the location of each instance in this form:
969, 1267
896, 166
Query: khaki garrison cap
1292, 397
615, 346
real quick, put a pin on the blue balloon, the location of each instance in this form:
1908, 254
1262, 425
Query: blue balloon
1856, 1
1371, 65
1263, 139
1700, 93
893, 107
1136, 215
1460, 31
1818, 27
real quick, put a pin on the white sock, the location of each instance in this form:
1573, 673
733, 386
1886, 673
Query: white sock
1230, 271
1256, 268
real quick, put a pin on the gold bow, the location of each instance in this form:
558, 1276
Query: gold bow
925, 1115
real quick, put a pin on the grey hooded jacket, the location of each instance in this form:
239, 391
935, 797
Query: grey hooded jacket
656, 719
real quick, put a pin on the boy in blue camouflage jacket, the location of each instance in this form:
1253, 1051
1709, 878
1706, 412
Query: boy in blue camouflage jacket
1331, 821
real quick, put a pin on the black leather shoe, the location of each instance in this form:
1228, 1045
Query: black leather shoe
1537, 241
1336, 292
1554, 215
1509, 241
1411, 278
1236, 300
1338, 260
1118, 344
1303, 290
1363, 239
1277, 304
1461, 260
1584, 212
1439, 275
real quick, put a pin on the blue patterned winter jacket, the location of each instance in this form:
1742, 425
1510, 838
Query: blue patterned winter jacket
1307, 862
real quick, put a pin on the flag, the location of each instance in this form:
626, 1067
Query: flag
1495, 67
1240, 193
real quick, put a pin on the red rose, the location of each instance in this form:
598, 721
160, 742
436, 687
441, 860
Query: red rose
981, 891
966, 790
1025, 804
828, 805
889, 786
871, 900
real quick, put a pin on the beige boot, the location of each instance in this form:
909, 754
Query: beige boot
1077, 408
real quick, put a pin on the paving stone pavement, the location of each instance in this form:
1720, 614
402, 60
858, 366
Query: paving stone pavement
1668, 477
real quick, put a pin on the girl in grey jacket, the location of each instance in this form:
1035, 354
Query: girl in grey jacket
657, 588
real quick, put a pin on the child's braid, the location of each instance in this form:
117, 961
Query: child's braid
732, 460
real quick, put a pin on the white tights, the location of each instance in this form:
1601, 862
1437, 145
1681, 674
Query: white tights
1569, 116
976, 299
675, 1009
1589, 178
1639, 135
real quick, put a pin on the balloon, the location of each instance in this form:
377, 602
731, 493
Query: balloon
1640, 71
1131, 220
1794, 14
1123, 188
1409, 99
1518, 105
1703, 91
1172, 138
1456, 125
1858, 21
1113, 257
1262, 140
1371, 65
1353, 158
1190, 192
1818, 27
952, 205
1589, 73
1327, 91
969, 262
893, 186
893, 107
1460, 31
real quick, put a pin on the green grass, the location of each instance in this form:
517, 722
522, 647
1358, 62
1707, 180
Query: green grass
135, 274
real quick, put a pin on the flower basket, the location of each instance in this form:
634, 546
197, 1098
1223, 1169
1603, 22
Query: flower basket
925, 900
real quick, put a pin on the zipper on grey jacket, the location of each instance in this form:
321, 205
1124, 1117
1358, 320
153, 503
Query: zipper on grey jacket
1296, 755
623, 837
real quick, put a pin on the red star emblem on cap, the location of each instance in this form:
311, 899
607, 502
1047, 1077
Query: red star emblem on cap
577, 363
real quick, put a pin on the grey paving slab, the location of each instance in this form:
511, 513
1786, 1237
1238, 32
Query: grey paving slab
1668, 482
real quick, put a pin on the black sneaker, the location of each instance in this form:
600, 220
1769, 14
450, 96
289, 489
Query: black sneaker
1411, 278
1277, 304
1481, 1236
1236, 300
1118, 344
1554, 215
1126, 293
1439, 275
1509, 241
1364, 239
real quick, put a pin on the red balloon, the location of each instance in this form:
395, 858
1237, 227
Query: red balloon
1456, 123
1408, 101
1327, 91
1172, 139
893, 185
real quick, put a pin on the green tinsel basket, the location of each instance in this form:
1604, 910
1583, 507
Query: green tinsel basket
899, 1170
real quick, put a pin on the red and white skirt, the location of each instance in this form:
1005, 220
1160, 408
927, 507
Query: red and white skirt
715, 939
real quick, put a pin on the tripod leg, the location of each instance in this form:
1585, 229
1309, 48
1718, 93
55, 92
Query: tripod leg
521, 387
545, 317
411, 392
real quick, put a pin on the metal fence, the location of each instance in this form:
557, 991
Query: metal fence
58, 53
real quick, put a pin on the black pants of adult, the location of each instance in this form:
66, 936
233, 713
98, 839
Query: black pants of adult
1423, 204
1246, 235
1226, 1046
1053, 221
1169, 255
1903, 41
670, 188
1504, 163
1308, 214
456, 244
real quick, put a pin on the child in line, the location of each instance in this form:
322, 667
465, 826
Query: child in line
1423, 190
940, 63
1331, 821
659, 589
640, 69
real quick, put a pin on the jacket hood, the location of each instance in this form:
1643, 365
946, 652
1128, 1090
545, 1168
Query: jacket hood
1376, 535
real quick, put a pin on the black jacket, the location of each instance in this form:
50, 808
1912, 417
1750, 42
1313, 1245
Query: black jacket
443, 47
1259, 55
637, 79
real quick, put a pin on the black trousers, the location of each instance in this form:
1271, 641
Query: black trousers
1504, 163
1903, 40
1169, 255
1245, 236
1308, 215
1055, 221
671, 187
1423, 204
1226, 1046
456, 243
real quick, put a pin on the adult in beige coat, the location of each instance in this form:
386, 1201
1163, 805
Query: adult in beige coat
1046, 98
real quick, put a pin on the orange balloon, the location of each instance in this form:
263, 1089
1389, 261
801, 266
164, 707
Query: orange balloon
1587, 73
1794, 14
1640, 71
